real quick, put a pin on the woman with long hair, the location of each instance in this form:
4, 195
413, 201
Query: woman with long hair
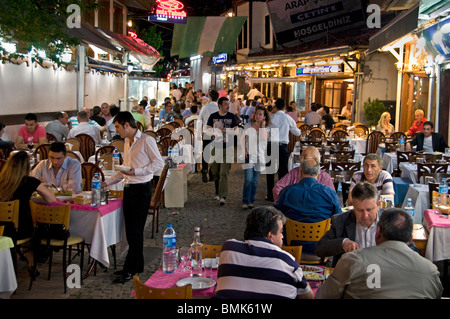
254, 145
384, 124
16, 184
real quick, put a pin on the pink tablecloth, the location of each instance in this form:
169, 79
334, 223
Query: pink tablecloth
435, 220
103, 209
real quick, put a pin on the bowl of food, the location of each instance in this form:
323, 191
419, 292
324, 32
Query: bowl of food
64, 196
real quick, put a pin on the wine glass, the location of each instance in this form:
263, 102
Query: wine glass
185, 256
30, 143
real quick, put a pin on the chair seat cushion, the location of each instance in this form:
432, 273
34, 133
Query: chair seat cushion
72, 240
23, 241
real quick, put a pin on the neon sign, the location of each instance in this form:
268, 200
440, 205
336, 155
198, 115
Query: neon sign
325, 69
169, 11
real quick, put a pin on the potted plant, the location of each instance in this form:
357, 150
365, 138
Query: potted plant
373, 110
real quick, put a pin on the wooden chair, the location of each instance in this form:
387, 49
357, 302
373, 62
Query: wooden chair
338, 134
163, 132
396, 136
210, 251
151, 133
295, 251
9, 214
364, 128
420, 238
2, 228
146, 292
404, 156
140, 126
424, 168
76, 144
337, 145
44, 216
119, 144
373, 140
180, 122
157, 197
292, 140
103, 150
73, 155
51, 138
341, 125
346, 166
342, 156
310, 232
115, 193
432, 187
87, 145
88, 171
42, 151
305, 129
165, 143
432, 158
316, 134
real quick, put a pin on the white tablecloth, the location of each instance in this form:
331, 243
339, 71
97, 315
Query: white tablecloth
409, 170
100, 231
390, 162
420, 199
360, 145
8, 280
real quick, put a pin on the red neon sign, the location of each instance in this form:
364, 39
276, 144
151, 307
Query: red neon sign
170, 8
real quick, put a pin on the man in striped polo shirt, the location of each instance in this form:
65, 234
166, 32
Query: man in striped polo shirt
373, 173
258, 267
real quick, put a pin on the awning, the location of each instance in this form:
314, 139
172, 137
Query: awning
401, 25
105, 66
206, 36
87, 34
143, 52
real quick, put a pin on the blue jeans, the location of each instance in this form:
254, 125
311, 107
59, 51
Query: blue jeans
250, 185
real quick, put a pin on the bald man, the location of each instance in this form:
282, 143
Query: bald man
417, 125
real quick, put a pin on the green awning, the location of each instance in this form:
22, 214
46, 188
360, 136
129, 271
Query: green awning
206, 36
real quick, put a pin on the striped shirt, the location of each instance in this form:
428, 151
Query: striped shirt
383, 183
257, 268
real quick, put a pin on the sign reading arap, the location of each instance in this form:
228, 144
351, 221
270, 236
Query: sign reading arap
308, 20
170, 11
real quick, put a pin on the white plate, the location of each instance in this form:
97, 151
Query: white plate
197, 282
308, 268
64, 198
123, 168
317, 276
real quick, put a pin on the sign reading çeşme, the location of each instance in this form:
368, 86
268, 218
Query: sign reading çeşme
297, 21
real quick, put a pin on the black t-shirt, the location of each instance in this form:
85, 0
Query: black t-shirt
100, 120
329, 122
218, 121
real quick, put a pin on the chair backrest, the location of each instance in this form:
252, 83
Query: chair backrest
305, 129
396, 136
115, 193
108, 149
163, 131
2, 228
42, 150
338, 133
342, 156
405, 156
51, 138
87, 145
338, 145
151, 133
346, 166
432, 158
373, 140
88, 171
166, 142
316, 134
306, 231
140, 126
363, 127
179, 121
210, 251
292, 140
73, 155
120, 144
53, 215
146, 292
295, 251
76, 144
9, 213
423, 168
156, 198
432, 187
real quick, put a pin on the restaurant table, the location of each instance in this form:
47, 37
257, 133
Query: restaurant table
101, 227
438, 245
401, 186
390, 162
175, 194
360, 144
409, 170
8, 280
420, 200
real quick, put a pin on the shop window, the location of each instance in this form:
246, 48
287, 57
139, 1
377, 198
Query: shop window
333, 95
118, 13
103, 15
267, 29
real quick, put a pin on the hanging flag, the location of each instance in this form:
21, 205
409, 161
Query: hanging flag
206, 36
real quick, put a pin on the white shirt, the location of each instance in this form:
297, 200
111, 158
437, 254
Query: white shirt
235, 107
365, 236
285, 124
143, 155
204, 115
86, 128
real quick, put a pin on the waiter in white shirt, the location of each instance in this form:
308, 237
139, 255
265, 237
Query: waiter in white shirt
280, 126
141, 154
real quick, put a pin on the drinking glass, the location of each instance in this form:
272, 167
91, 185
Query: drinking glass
429, 179
30, 143
207, 265
447, 152
436, 203
185, 256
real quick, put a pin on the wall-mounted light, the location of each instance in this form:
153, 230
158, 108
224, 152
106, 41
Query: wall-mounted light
9, 47
67, 56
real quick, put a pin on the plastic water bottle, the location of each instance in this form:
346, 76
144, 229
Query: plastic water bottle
175, 154
115, 158
409, 207
401, 143
443, 191
169, 257
297, 148
95, 190
196, 254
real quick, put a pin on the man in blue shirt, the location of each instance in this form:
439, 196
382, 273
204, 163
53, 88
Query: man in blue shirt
308, 201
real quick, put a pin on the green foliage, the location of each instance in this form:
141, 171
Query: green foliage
39, 24
373, 110
153, 37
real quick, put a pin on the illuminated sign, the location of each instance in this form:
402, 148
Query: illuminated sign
221, 58
320, 69
170, 11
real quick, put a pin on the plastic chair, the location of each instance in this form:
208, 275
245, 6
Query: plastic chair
163, 132
140, 126
157, 197
42, 150
165, 143
151, 133
210, 251
119, 144
45, 216
88, 171
305, 129
114, 193
364, 128
311, 232
87, 145
295, 251
76, 144
73, 155
146, 292
2, 228
51, 138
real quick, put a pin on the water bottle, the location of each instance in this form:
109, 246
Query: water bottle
196, 254
409, 207
175, 154
443, 191
115, 158
401, 143
169, 257
297, 148
95, 191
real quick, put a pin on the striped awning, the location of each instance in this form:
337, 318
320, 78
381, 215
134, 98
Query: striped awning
206, 36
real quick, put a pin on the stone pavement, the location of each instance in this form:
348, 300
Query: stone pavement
217, 224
